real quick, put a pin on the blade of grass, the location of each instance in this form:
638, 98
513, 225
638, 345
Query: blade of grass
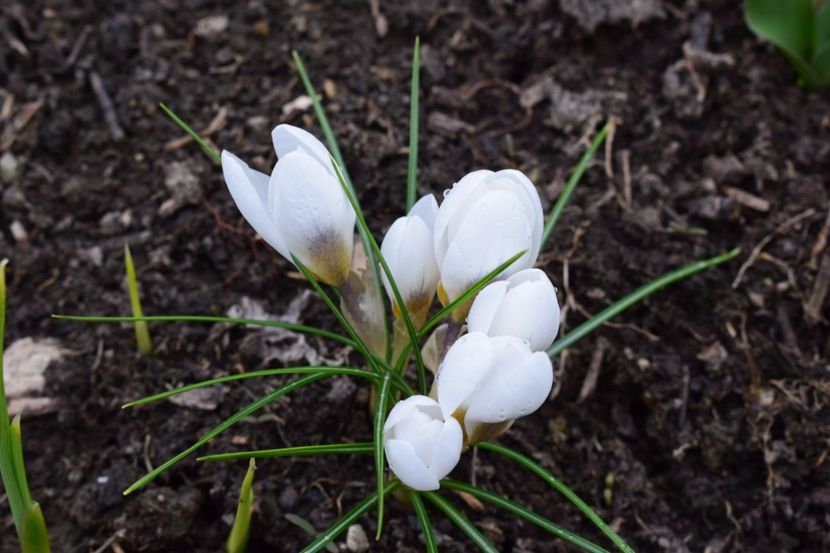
210, 319
209, 150
4, 412
423, 519
331, 141
296, 451
559, 486
329, 371
527, 514
410, 328
458, 518
380, 417
142, 334
34, 537
241, 529
224, 425
309, 529
347, 520
414, 91
635, 297
573, 180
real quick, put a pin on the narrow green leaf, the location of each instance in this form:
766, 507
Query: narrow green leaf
329, 371
523, 512
210, 319
414, 91
347, 520
573, 180
142, 334
635, 297
209, 150
296, 451
344, 322
224, 425
241, 529
541, 472
331, 141
461, 521
423, 518
34, 538
309, 528
4, 412
380, 417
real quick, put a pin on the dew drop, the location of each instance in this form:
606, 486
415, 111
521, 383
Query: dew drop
447, 192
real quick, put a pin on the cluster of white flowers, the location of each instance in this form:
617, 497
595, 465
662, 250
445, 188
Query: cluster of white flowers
491, 375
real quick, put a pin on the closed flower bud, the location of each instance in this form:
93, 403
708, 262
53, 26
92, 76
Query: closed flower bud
408, 250
486, 383
421, 444
300, 209
524, 306
485, 220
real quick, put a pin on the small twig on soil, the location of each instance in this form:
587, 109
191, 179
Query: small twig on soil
625, 161
216, 124
14, 127
111, 540
381, 25
77, 47
815, 303
105, 103
589, 384
781, 229
821, 241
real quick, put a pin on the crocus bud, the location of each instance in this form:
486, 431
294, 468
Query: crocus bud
421, 444
408, 250
524, 306
485, 220
486, 383
301, 209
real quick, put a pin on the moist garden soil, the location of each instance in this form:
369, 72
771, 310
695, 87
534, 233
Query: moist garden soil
698, 422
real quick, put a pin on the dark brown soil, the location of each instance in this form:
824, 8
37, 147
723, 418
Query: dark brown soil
712, 403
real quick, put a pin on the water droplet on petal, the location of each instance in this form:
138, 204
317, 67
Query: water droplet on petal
447, 192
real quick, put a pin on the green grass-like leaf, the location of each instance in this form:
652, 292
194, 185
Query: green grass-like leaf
410, 328
224, 425
296, 451
423, 519
142, 334
573, 180
328, 371
210, 319
523, 512
347, 520
635, 297
380, 418
309, 528
414, 91
461, 521
209, 150
34, 537
241, 529
559, 486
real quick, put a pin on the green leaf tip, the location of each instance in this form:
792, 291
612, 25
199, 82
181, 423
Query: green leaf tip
241, 530
209, 150
142, 333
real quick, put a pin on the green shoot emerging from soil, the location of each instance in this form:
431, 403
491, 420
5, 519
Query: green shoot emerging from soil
387, 373
28, 518
142, 333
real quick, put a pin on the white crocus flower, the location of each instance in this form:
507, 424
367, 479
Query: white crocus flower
487, 382
408, 250
484, 220
301, 208
524, 306
421, 444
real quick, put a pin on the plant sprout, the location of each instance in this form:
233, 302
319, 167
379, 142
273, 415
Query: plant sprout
476, 252
801, 29
142, 333
28, 518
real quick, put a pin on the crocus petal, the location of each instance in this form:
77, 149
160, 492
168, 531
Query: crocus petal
288, 138
512, 391
408, 467
248, 189
407, 249
404, 408
493, 230
528, 314
464, 367
426, 209
530, 198
314, 215
485, 307
454, 202
447, 449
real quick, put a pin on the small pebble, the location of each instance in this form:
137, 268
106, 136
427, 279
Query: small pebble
356, 539
9, 168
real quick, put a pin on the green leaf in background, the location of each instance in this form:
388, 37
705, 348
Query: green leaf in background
240, 532
799, 30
